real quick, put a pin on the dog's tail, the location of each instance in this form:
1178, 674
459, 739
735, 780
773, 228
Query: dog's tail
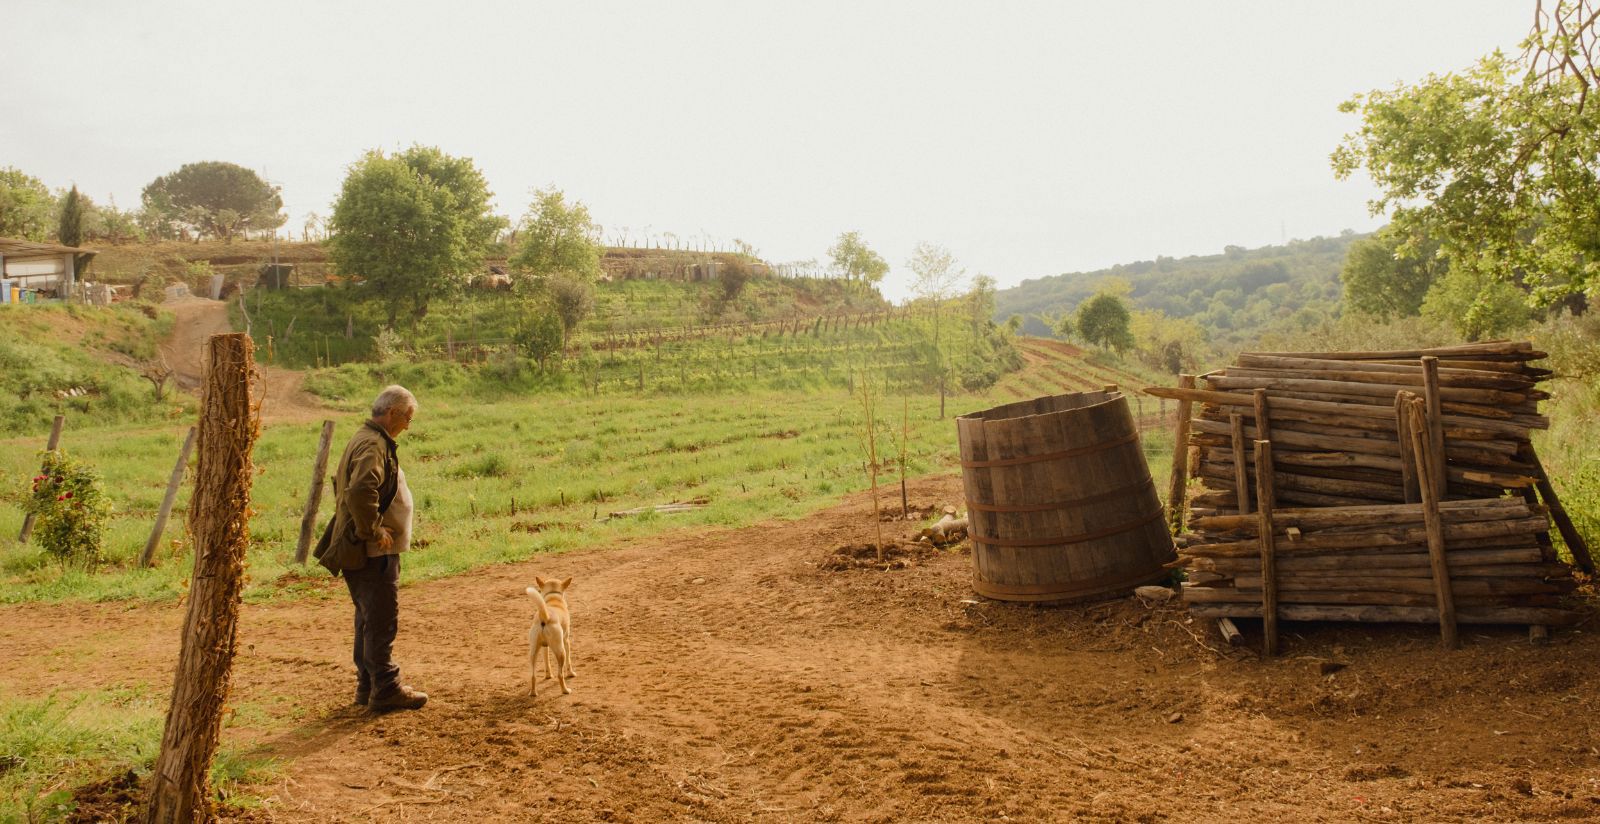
544, 608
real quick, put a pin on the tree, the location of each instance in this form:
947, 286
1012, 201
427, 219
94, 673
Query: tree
1381, 279
213, 198
69, 228
558, 239
540, 337
572, 300
461, 178
936, 277
1104, 320
1476, 305
407, 235
27, 209
1495, 163
856, 261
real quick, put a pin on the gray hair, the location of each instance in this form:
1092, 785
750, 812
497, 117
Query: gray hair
393, 396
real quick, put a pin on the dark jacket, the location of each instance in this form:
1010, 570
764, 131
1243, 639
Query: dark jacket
363, 487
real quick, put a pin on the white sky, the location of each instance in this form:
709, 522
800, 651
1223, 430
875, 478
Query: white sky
1030, 138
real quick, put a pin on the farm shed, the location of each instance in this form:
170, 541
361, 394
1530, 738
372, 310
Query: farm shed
26, 266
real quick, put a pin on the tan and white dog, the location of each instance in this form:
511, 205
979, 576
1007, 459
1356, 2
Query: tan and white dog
551, 632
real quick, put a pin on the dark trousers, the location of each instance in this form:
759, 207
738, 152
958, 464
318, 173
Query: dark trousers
375, 591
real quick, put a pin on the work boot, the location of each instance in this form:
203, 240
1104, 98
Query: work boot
401, 698
363, 694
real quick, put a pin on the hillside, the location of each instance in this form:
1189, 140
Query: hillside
1236, 294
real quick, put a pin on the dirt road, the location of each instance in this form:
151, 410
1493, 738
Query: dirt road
196, 320
726, 677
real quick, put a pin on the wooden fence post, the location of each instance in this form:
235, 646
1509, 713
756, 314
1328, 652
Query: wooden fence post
1178, 490
50, 446
319, 474
147, 557
218, 522
1265, 495
1422, 452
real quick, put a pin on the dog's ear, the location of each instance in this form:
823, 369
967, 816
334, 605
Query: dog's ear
538, 582
565, 584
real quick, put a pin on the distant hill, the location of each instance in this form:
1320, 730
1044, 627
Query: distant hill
1234, 294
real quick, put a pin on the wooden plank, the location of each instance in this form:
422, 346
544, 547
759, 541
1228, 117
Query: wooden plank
1430, 481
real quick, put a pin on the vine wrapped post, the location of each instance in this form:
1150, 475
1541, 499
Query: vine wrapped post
319, 475
1422, 450
147, 557
218, 522
1265, 538
1178, 491
50, 446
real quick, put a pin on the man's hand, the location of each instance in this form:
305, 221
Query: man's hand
385, 540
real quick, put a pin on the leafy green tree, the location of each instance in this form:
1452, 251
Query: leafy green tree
27, 209
1382, 279
213, 198
852, 257
1476, 305
540, 337
558, 239
1104, 320
461, 178
407, 235
1495, 163
572, 299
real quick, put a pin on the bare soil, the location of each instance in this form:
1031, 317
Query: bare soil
728, 677
196, 320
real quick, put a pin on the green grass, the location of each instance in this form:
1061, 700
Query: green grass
52, 744
48, 350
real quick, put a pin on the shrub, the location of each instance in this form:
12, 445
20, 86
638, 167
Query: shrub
68, 499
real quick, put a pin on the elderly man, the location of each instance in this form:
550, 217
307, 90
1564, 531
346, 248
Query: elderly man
364, 542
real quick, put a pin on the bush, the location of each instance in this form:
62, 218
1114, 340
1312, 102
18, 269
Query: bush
69, 501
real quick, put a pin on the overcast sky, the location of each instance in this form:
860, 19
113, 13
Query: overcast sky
1030, 138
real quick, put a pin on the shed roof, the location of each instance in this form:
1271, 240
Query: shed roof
14, 247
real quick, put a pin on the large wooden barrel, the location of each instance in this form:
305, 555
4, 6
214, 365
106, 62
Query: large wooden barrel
1059, 499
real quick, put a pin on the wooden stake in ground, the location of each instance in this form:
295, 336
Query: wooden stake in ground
319, 474
218, 523
1178, 490
1266, 535
1422, 449
50, 446
173, 483
1435, 421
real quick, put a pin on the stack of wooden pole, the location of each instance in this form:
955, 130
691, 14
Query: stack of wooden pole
1376, 452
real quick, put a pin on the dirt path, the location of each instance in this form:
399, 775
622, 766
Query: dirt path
726, 677
197, 319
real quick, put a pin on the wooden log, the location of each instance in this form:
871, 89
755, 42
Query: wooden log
1490, 397
1383, 424
1287, 596
1230, 632
1426, 451
1528, 560
1178, 488
50, 446
1525, 415
1381, 614
1376, 491
1453, 512
1347, 408
1453, 375
1210, 433
218, 522
1225, 499
1558, 513
1402, 427
1433, 425
1266, 536
319, 475
1484, 350
174, 481
1425, 586
1490, 381
1241, 477
1521, 530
